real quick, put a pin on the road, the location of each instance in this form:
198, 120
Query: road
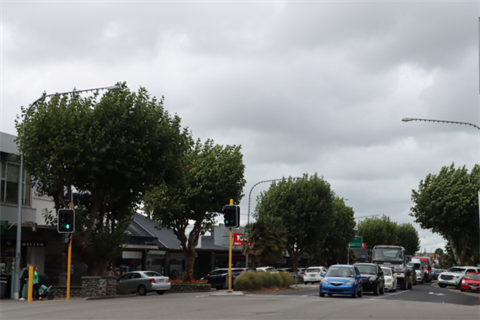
304, 304
427, 292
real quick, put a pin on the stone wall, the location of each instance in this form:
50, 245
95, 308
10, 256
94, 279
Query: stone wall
99, 286
61, 292
190, 287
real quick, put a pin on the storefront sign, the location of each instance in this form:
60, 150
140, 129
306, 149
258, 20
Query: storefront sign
25, 243
238, 240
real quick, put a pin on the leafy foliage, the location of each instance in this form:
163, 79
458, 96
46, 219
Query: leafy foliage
341, 233
268, 236
407, 237
378, 231
305, 206
211, 175
111, 149
446, 204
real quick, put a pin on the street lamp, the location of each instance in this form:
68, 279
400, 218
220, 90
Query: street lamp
20, 186
249, 196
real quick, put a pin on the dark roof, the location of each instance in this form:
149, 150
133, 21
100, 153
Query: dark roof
166, 237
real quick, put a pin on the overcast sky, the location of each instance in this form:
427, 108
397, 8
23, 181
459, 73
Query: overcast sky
304, 87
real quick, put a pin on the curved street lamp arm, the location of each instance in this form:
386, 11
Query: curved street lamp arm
441, 121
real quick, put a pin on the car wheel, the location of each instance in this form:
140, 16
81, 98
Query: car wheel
458, 286
375, 291
360, 294
382, 290
462, 289
142, 290
355, 293
329, 294
421, 281
160, 292
322, 294
441, 285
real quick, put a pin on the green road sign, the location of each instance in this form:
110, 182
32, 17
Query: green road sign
356, 243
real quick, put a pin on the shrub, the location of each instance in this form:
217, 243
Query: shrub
252, 280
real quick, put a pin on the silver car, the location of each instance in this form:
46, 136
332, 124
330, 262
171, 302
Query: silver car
144, 281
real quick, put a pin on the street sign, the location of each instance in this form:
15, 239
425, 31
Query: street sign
356, 243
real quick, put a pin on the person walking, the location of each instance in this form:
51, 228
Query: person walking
110, 272
23, 281
36, 284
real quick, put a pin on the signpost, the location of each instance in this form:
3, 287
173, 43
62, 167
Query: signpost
355, 243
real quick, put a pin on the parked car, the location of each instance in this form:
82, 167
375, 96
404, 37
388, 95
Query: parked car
267, 269
436, 272
218, 278
471, 281
372, 276
314, 274
390, 279
144, 281
341, 279
416, 265
454, 276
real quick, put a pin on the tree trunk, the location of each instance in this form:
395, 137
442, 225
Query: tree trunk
190, 256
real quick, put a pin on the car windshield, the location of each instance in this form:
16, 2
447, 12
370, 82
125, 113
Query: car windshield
387, 271
340, 272
472, 276
416, 266
456, 270
365, 269
387, 255
313, 270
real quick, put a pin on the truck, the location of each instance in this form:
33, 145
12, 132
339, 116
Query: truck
393, 257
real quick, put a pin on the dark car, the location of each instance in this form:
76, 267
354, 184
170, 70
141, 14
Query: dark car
372, 276
218, 278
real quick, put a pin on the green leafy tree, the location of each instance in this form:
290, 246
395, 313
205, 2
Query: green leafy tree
378, 231
111, 149
446, 204
268, 236
407, 237
211, 176
305, 207
343, 231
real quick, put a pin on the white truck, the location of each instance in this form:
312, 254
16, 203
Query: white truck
394, 257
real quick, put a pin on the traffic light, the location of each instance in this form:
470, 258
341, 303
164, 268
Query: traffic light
66, 221
231, 214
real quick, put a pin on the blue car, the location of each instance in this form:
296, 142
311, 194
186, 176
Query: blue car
342, 279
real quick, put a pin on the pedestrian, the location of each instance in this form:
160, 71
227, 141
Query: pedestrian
36, 284
110, 272
23, 281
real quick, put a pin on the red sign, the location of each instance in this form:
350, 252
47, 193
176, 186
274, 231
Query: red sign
364, 245
238, 240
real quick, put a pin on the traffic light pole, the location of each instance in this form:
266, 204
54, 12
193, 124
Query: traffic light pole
230, 258
69, 265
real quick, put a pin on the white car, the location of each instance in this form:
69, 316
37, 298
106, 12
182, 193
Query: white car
267, 269
390, 279
313, 274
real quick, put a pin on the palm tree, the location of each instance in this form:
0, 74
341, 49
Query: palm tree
268, 236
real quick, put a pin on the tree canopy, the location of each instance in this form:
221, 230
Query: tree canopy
447, 204
407, 237
111, 149
378, 231
210, 177
305, 206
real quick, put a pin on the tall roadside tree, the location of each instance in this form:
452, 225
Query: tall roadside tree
378, 231
211, 176
305, 207
111, 149
407, 237
343, 231
447, 204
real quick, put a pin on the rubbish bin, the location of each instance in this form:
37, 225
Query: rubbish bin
6, 283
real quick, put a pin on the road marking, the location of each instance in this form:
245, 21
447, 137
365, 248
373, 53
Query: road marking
436, 294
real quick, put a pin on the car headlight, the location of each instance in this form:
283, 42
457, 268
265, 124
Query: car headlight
324, 282
349, 283
463, 282
389, 280
372, 278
